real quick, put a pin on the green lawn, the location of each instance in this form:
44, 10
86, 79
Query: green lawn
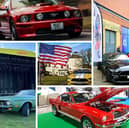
54, 80
18, 52
15, 120
48, 120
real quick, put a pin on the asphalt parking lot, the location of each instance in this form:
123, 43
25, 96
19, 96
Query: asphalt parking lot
99, 78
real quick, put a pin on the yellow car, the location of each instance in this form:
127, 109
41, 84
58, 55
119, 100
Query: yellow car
80, 77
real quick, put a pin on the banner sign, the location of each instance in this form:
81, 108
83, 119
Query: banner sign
125, 40
97, 41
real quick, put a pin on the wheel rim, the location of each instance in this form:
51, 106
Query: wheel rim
54, 110
87, 124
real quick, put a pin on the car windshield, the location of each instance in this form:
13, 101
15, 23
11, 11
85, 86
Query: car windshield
81, 97
27, 3
26, 93
81, 71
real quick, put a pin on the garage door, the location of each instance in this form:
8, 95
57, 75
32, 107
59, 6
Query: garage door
110, 41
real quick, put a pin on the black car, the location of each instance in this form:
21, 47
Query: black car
115, 66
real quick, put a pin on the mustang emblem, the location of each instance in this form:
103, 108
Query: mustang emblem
54, 14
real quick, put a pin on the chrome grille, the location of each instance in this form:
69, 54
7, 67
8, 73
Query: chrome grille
3, 103
54, 15
118, 114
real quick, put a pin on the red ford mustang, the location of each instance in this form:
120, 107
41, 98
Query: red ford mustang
92, 112
31, 18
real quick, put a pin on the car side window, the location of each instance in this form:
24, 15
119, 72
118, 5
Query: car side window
66, 98
5, 3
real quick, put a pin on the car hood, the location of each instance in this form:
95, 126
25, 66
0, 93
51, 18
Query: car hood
7, 98
105, 95
78, 75
118, 63
38, 9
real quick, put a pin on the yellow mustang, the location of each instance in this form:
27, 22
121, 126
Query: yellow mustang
80, 77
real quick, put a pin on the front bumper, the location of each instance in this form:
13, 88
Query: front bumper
5, 108
70, 82
39, 28
118, 122
120, 79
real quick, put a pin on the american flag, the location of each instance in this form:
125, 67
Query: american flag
54, 54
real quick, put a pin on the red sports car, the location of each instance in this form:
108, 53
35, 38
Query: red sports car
31, 18
92, 112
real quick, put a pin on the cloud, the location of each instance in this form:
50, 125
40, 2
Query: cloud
1, 45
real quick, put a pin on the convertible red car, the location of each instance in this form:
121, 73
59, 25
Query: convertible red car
31, 18
92, 112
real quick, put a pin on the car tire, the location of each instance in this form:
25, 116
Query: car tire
54, 110
13, 31
87, 123
25, 111
108, 76
74, 34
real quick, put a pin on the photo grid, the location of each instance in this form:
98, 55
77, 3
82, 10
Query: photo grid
64, 64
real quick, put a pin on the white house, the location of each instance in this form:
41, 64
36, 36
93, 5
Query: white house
75, 62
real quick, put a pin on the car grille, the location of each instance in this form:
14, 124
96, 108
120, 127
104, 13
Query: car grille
3, 103
54, 15
80, 80
118, 114
124, 73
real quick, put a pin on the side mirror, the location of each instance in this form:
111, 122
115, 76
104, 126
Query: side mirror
3, 8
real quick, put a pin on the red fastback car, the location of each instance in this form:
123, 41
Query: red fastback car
31, 18
92, 112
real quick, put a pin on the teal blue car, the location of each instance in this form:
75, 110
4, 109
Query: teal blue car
23, 102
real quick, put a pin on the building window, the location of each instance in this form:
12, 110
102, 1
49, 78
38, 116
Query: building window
110, 41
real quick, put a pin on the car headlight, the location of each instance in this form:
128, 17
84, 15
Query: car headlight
104, 118
24, 18
77, 13
8, 103
67, 14
39, 16
117, 70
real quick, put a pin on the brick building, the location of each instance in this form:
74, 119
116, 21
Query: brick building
115, 16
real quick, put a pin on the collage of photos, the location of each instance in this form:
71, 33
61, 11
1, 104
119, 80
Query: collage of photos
64, 64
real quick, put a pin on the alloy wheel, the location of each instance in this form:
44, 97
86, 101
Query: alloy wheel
86, 124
